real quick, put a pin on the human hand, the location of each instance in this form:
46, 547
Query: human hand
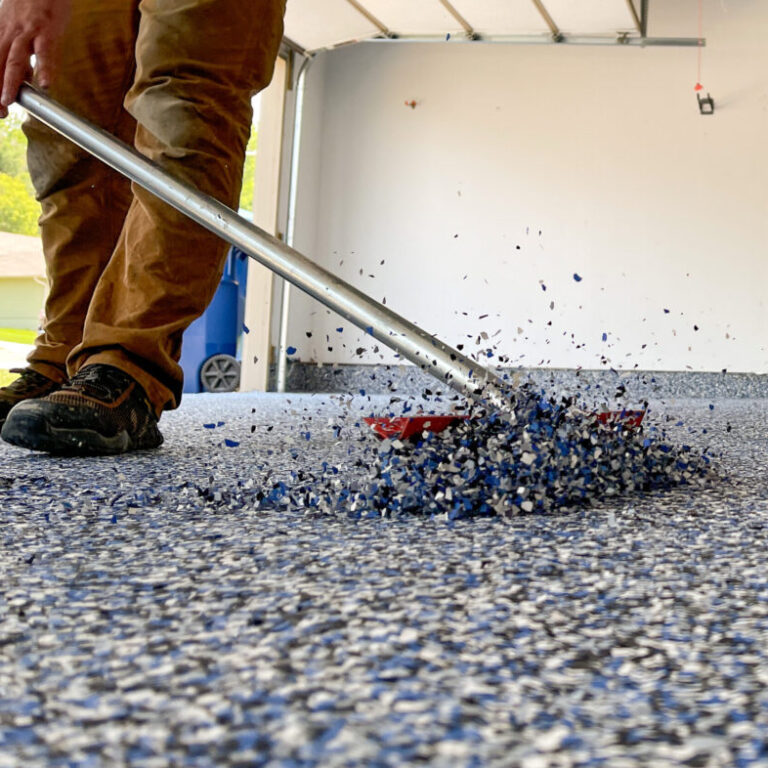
28, 27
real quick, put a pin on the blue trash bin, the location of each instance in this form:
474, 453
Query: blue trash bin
209, 349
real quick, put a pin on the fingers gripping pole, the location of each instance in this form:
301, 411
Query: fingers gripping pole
414, 344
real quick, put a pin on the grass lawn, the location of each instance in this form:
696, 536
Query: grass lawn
18, 336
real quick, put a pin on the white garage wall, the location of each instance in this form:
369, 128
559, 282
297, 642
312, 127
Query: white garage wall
523, 165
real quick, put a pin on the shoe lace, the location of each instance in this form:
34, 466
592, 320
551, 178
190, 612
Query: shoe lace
29, 381
98, 381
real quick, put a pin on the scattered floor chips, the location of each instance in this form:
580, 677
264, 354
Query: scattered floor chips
200, 606
540, 456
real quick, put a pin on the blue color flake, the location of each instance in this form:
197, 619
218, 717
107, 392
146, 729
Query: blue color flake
605, 337
577, 277
290, 350
231, 443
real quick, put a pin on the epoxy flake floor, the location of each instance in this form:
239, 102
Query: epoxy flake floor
151, 616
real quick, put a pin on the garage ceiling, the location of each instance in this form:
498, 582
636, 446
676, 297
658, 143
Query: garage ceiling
313, 25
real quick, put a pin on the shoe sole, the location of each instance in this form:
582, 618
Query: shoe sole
29, 431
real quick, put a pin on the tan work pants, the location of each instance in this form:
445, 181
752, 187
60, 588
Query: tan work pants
128, 273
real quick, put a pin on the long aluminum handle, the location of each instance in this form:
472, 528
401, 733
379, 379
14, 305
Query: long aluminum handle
414, 344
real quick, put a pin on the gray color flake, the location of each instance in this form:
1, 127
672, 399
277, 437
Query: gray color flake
197, 606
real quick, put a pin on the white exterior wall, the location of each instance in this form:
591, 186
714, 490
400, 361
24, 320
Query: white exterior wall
527, 164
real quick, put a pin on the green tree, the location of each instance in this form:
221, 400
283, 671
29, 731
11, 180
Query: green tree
13, 147
249, 170
18, 209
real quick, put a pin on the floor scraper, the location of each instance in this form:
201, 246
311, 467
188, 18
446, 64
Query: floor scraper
414, 344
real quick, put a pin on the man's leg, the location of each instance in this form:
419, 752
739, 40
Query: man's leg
83, 201
198, 65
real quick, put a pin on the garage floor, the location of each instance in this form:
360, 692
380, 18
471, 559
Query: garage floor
150, 616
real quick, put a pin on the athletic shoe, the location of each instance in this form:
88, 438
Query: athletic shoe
101, 410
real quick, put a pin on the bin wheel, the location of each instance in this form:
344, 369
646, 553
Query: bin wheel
220, 373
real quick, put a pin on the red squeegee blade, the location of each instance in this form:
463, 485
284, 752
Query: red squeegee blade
405, 427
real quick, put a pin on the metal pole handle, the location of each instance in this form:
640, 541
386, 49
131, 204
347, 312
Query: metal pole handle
431, 355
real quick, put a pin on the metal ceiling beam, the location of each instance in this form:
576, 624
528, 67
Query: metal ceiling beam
465, 25
625, 40
368, 15
636, 18
557, 36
